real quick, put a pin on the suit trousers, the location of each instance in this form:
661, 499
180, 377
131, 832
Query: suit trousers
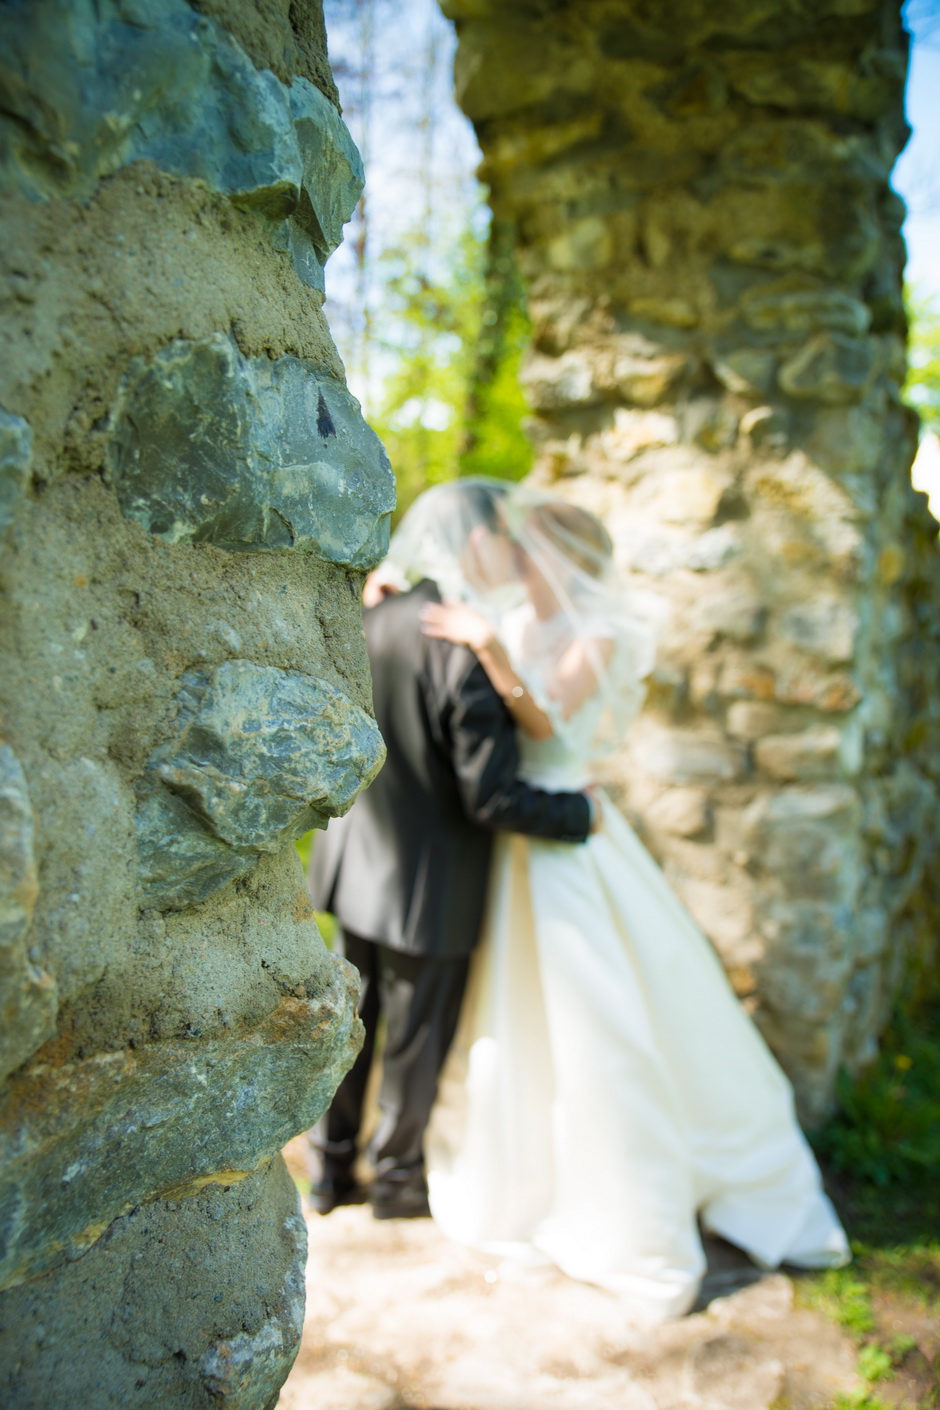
419, 998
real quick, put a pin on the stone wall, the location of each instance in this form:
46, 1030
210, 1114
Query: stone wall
712, 250
188, 499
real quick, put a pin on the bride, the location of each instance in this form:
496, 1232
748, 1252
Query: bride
605, 1091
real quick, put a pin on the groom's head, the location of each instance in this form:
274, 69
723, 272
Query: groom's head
486, 558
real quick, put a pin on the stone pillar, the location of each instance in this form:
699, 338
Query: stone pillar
188, 500
713, 257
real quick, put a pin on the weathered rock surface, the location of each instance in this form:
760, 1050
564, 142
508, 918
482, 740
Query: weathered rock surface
171, 185
206, 1299
15, 449
103, 1134
28, 997
208, 446
257, 758
713, 256
89, 88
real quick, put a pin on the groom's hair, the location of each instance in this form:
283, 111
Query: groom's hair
482, 503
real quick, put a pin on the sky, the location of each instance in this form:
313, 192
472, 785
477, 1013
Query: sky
917, 174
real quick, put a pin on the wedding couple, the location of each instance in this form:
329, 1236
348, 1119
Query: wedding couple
604, 1091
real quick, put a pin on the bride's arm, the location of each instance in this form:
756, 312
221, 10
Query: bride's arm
576, 676
453, 621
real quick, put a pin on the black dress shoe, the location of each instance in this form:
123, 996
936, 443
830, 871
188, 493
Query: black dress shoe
405, 1203
329, 1193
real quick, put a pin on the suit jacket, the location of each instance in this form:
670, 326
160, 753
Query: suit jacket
408, 865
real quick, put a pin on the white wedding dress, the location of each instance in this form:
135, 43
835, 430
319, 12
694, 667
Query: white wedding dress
605, 1088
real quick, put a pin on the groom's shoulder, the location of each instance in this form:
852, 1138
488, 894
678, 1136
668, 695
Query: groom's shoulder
398, 616
393, 633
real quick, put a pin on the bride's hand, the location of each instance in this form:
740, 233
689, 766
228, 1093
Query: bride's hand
454, 621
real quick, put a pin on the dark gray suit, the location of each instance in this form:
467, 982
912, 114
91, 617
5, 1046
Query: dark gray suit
406, 870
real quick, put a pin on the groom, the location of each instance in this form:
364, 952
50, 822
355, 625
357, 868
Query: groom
405, 871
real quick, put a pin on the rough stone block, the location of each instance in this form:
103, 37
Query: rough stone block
258, 757
809, 957
807, 839
194, 1303
747, 371
682, 812
636, 431
15, 450
830, 368
812, 754
750, 719
734, 612
647, 381
691, 494
795, 310
690, 756
89, 88
89, 1140
208, 446
28, 996
557, 383
726, 915
824, 627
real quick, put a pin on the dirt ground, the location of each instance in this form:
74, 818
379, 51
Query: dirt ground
399, 1318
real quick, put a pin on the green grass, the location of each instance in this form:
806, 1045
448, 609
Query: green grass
881, 1157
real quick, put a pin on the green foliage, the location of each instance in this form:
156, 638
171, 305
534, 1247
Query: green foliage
888, 1127
875, 1361
843, 1297
434, 327
499, 444
883, 1158
922, 388
859, 1400
432, 330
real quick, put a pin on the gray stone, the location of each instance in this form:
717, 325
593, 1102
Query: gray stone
258, 757
15, 450
808, 959
28, 996
805, 311
747, 371
807, 839
830, 368
824, 627
88, 1140
88, 88
208, 446
196, 1303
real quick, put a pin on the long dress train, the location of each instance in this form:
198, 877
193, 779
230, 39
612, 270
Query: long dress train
605, 1087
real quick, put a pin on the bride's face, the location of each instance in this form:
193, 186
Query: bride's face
488, 558
540, 591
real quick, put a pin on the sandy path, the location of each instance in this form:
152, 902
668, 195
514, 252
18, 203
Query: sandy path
398, 1317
